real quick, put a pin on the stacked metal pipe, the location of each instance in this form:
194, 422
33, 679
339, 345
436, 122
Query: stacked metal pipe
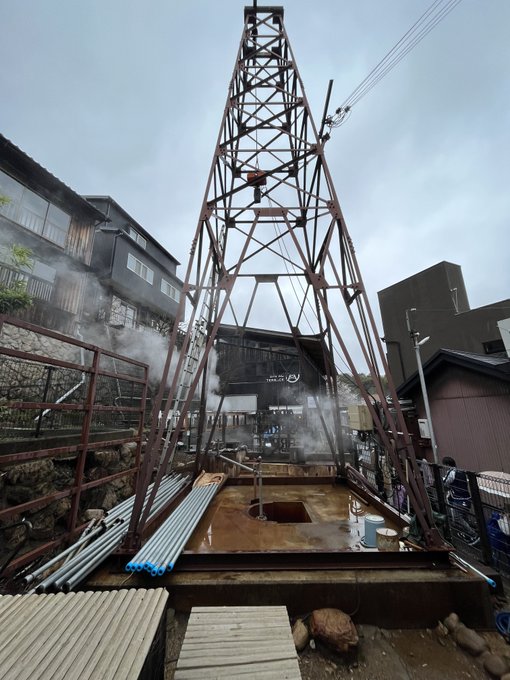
163, 548
94, 546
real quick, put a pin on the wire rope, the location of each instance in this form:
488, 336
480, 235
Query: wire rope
433, 16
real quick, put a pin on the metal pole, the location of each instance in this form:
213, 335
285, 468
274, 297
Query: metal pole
416, 344
259, 475
425, 397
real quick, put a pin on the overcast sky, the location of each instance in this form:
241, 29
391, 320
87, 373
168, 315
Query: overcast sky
125, 98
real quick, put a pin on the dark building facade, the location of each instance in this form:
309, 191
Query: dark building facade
268, 364
441, 311
469, 398
270, 385
40, 212
139, 286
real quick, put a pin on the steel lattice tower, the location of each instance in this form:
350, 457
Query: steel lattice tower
271, 228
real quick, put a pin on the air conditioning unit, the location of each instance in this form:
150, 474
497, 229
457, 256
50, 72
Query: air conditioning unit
423, 424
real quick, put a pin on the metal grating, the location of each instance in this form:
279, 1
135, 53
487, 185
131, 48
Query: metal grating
87, 635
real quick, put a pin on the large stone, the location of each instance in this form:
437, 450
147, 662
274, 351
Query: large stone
43, 526
128, 451
18, 494
334, 628
109, 499
34, 472
107, 457
96, 473
469, 640
300, 634
61, 508
452, 621
494, 664
14, 536
93, 514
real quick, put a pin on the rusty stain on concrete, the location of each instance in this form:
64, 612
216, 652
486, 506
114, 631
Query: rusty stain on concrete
337, 521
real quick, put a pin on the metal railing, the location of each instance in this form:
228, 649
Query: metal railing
36, 287
473, 508
32, 385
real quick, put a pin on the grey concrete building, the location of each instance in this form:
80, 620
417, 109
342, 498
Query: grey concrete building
441, 311
138, 285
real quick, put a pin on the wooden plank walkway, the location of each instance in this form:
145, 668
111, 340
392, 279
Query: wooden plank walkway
238, 642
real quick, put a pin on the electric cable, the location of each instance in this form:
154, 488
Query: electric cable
433, 16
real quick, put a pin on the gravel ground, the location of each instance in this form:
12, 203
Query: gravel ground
381, 655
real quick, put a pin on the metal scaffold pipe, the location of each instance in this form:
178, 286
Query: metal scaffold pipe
100, 542
162, 550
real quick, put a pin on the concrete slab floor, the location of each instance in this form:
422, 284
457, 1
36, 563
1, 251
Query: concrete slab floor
336, 521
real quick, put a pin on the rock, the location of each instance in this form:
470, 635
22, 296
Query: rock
451, 622
96, 473
94, 513
505, 677
61, 508
300, 635
34, 472
441, 630
109, 499
494, 664
312, 644
106, 458
334, 628
20, 493
469, 640
128, 451
14, 537
43, 526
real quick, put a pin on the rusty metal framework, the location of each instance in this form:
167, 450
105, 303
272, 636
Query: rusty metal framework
272, 245
87, 419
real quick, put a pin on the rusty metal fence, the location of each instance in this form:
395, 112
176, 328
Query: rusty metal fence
61, 400
475, 505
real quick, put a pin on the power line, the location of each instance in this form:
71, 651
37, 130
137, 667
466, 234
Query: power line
437, 11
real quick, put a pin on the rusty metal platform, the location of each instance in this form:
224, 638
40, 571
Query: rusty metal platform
234, 559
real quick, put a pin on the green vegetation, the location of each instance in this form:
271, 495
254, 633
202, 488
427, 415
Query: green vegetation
13, 293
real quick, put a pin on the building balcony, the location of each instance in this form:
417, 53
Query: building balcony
37, 288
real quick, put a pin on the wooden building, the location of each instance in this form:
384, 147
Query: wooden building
40, 212
469, 398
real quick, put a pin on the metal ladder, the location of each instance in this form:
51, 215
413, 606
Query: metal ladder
188, 370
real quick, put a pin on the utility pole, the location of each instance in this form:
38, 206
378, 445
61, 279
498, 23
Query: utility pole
417, 344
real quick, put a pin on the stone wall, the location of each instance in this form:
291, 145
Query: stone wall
28, 481
36, 343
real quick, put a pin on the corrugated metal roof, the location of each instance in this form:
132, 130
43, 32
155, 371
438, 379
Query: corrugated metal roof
89, 635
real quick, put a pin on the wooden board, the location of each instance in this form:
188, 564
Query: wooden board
238, 642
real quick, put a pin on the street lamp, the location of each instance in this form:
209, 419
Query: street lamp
417, 344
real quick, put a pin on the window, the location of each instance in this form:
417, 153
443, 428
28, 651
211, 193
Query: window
122, 313
137, 237
32, 211
140, 268
168, 289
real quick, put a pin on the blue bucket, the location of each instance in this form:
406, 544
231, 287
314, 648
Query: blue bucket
372, 523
